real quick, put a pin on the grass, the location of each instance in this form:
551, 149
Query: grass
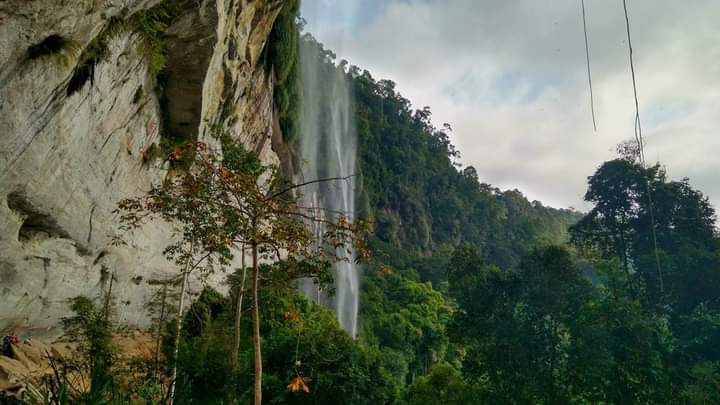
97, 51
150, 25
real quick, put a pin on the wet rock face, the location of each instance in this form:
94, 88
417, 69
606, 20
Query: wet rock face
74, 142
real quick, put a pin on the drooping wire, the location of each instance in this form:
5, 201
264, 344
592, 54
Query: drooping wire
587, 59
641, 149
638, 127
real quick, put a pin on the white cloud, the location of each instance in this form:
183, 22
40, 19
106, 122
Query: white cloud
510, 77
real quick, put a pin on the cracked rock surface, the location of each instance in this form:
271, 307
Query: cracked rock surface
67, 158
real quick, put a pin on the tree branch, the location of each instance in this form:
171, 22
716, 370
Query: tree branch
307, 183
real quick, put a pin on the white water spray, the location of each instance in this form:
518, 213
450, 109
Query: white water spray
328, 148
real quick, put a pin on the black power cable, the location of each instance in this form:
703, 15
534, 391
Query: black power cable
641, 149
587, 59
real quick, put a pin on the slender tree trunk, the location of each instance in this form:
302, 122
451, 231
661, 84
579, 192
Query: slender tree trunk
238, 311
108, 299
161, 319
176, 349
256, 326
626, 265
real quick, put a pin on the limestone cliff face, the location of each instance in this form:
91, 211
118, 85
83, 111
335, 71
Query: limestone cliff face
74, 142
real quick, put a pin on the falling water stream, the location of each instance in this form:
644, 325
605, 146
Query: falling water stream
328, 149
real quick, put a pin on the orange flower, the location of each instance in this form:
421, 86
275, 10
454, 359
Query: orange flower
297, 384
176, 154
225, 173
291, 316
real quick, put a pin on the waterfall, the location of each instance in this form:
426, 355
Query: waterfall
328, 148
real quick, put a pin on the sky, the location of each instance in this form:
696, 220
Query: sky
510, 77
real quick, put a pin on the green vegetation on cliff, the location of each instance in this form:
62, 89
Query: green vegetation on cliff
283, 57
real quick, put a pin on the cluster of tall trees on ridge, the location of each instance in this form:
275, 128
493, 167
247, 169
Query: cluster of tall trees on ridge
474, 295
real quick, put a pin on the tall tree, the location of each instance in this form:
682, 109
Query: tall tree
678, 221
223, 203
615, 189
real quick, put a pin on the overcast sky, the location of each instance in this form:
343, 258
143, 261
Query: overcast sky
510, 77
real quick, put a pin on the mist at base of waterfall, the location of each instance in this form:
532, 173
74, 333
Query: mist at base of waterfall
328, 148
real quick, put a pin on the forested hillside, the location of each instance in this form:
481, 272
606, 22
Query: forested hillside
413, 189
419, 196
